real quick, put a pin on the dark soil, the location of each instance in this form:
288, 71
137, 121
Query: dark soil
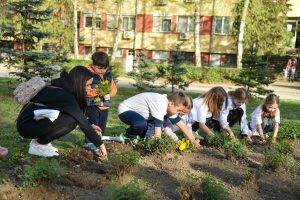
161, 175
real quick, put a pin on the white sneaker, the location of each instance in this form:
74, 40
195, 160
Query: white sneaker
51, 146
41, 150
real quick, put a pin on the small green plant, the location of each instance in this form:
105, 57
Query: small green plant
121, 163
131, 191
290, 164
283, 147
189, 187
212, 190
272, 159
235, 150
217, 141
250, 178
289, 129
157, 146
2, 179
42, 169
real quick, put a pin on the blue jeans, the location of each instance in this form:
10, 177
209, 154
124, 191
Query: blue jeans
138, 124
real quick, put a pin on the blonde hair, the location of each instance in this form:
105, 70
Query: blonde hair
189, 101
178, 98
214, 100
270, 99
239, 93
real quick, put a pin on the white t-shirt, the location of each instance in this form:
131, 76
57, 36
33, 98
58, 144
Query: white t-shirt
200, 111
149, 105
256, 117
225, 111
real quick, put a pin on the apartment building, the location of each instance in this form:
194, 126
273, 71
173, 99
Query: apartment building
158, 26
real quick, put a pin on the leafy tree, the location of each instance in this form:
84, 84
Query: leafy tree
60, 26
23, 29
265, 26
143, 74
175, 74
256, 74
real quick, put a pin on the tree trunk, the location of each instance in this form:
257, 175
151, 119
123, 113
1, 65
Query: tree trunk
76, 53
197, 34
241, 35
93, 32
118, 31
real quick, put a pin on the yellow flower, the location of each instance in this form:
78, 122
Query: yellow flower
106, 82
182, 146
97, 99
103, 83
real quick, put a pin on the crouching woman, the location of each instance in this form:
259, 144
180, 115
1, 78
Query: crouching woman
56, 111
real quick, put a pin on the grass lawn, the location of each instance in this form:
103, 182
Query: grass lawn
9, 109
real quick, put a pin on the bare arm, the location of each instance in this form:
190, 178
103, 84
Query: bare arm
206, 130
187, 133
157, 132
276, 128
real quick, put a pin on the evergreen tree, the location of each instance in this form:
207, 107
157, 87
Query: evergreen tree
256, 74
23, 28
143, 74
175, 73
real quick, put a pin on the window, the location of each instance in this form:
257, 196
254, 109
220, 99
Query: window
222, 25
128, 23
160, 55
162, 24
88, 50
185, 24
215, 60
88, 20
118, 53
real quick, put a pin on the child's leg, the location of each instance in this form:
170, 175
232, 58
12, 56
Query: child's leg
234, 116
93, 115
138, 124
213, 124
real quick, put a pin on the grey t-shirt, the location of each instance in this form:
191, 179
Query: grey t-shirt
148, 104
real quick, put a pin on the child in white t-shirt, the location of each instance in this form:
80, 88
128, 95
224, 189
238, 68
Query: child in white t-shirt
266, 118
234, 112
206, 109
181, 122
139, 110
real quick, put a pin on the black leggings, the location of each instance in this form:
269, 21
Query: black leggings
210, 123
44, 130
235, 116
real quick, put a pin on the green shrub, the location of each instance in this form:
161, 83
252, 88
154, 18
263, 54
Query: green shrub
42, 169
289, 129
272, 159
290, 164
236, 150
212, 190
189, 187
130, 191
218, 140
157, 146
119, 164
210, 74
283, 147
2, 179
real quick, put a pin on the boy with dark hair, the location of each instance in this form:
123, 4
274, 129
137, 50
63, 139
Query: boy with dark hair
98, 107
148, 107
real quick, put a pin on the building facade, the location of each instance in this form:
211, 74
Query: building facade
158, 26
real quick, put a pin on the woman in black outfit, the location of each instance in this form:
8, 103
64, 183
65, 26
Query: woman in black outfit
67, 95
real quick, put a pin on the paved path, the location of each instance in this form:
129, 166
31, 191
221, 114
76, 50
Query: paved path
284, 89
